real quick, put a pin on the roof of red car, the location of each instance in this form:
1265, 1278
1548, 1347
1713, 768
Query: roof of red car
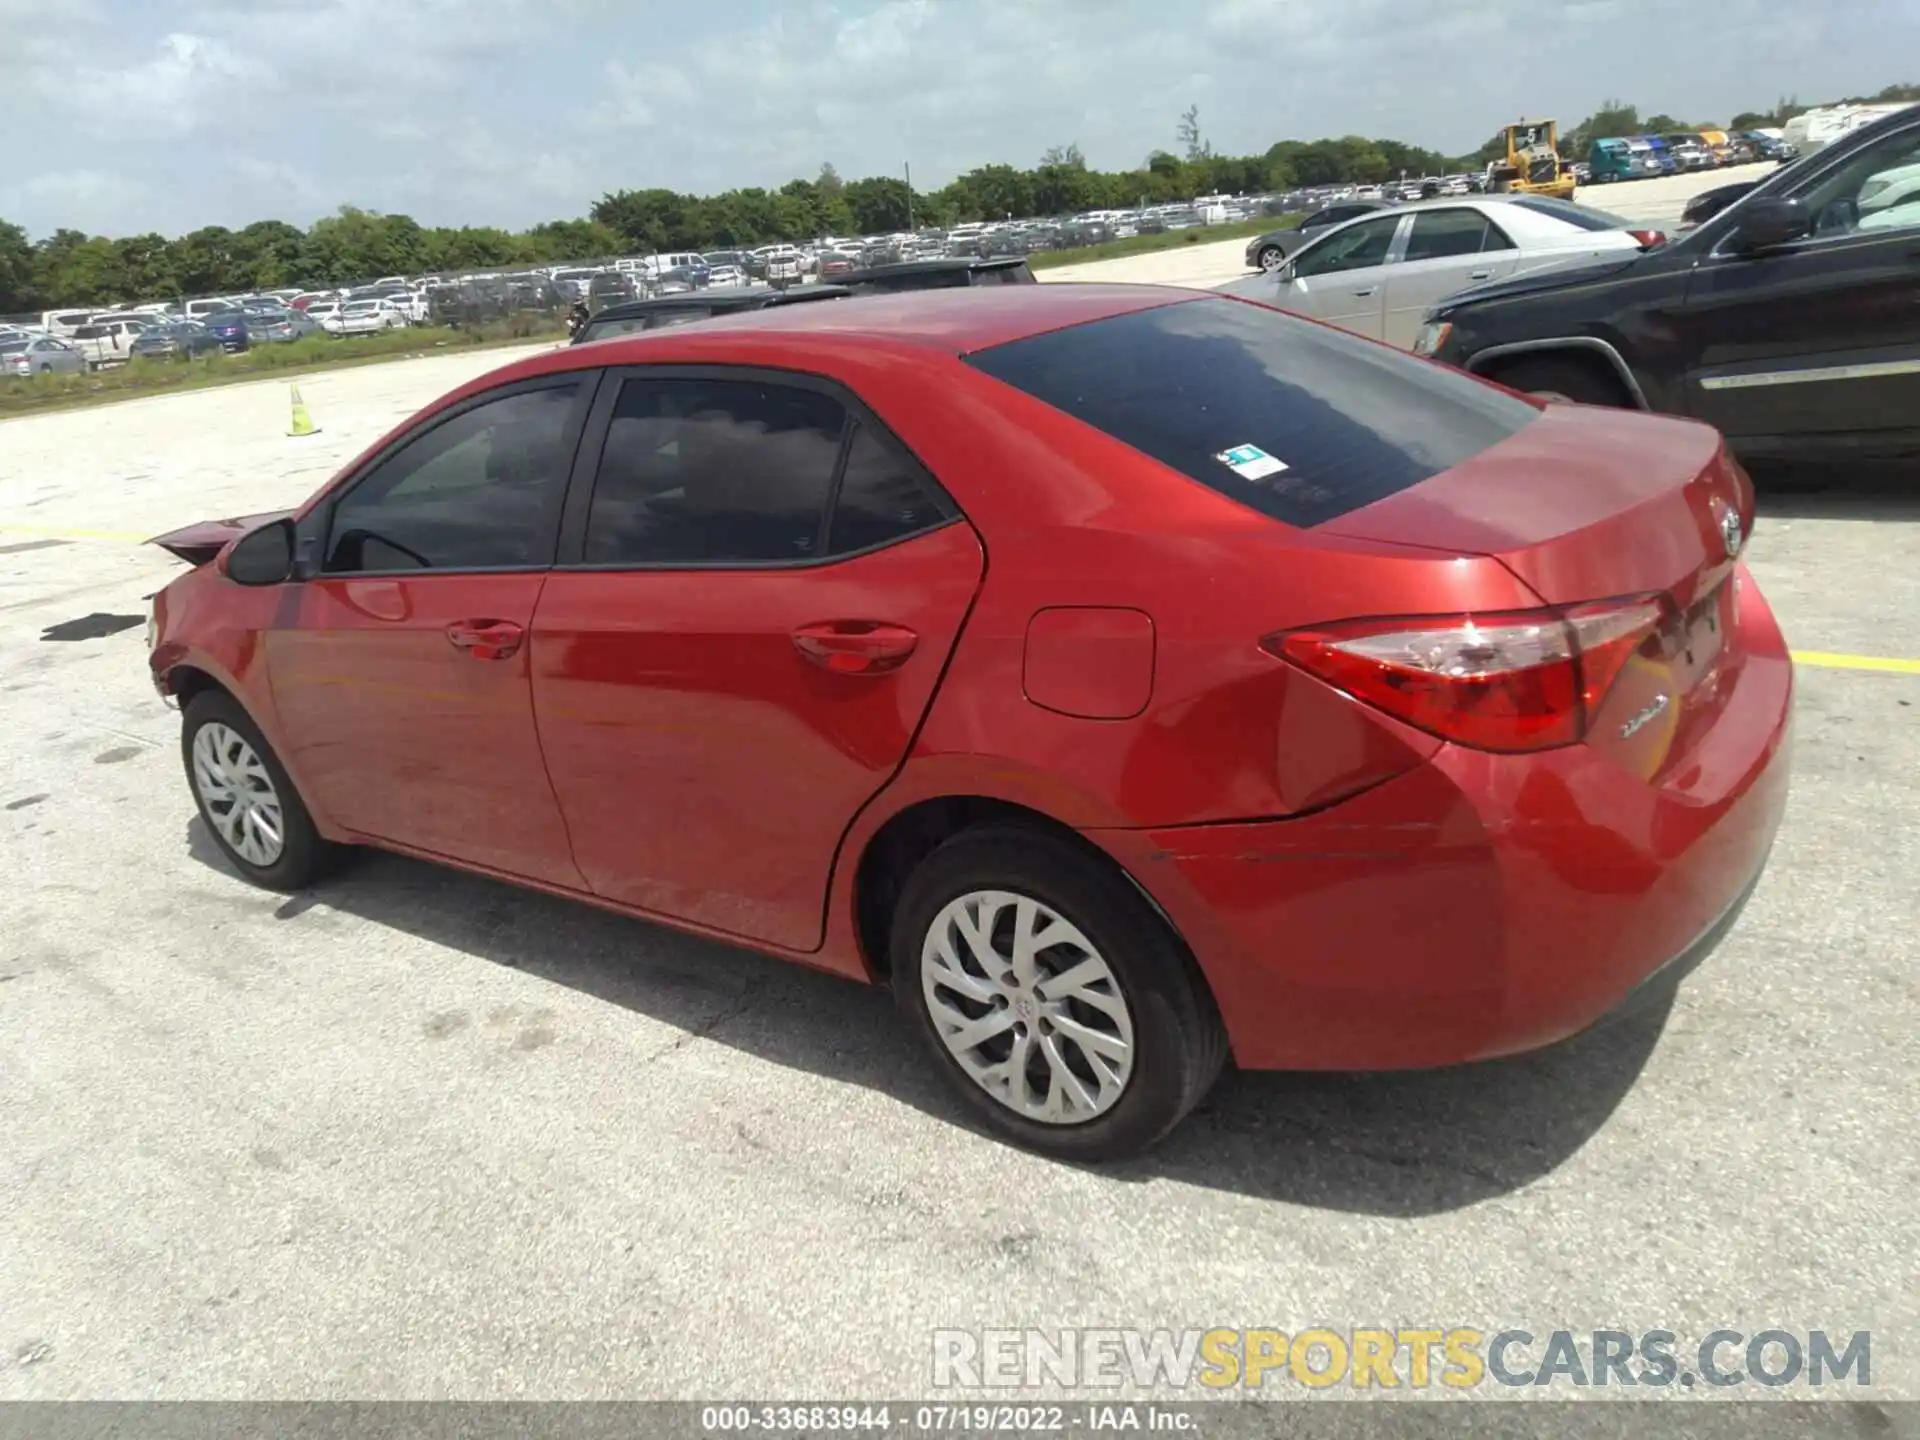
953, 321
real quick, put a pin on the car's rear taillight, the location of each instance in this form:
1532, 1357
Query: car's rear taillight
1649, 239
1512, 681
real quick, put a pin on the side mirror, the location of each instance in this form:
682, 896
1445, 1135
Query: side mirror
1771, 222
1284, 275
263, 556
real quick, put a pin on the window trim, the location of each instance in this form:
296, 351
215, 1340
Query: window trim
314, 532
586, 469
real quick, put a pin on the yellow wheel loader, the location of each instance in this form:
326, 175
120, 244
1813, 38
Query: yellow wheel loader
1532, 165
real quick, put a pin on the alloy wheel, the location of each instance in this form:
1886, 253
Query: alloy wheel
238, 794
1027, 1006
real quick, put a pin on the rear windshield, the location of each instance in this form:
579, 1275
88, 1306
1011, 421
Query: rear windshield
1298, 421
1583, 215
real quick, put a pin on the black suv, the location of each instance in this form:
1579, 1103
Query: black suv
682, 309
953, 273
1790, 320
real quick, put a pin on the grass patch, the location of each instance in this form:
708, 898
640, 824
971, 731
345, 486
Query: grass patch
37, 394
1149, 244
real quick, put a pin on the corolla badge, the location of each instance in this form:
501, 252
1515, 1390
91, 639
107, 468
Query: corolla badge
1730, 531
1634, 726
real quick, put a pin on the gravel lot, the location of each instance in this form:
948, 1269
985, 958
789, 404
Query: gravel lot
422, 1135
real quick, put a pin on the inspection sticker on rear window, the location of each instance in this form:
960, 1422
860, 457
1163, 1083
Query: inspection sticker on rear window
1250, 462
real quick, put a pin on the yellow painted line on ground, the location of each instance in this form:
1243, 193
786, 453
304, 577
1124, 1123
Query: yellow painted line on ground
1825, 660
117, 537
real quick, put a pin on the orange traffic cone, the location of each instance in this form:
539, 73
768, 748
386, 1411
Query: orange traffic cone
302, 422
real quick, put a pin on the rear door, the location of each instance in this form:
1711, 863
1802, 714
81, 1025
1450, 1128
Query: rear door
1446, 250
1341, 278
400, 670
1814, 348
758, 592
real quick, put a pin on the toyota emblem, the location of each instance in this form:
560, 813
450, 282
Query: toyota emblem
1730, 531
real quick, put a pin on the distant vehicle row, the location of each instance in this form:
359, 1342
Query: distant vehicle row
1643, 157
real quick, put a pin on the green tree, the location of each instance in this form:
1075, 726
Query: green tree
266, 254
647, 221
1663, 124
878, 204
203, 263
19, 290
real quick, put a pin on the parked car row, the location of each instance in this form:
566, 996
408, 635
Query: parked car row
1643, 157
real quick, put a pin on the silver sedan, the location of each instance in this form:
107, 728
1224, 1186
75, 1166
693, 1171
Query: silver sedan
40, 355
1379, 275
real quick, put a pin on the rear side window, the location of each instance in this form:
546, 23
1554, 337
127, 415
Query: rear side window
883, 496
1298, 421
705, 472
1441, 234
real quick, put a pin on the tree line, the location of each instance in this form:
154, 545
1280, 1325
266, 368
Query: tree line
71, 268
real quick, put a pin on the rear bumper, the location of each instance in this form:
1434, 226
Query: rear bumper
1480, 905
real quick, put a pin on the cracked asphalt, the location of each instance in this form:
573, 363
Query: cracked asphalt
420, 1135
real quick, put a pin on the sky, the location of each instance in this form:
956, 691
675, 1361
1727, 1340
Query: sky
130, 116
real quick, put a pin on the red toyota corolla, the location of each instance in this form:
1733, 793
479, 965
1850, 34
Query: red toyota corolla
1132, 677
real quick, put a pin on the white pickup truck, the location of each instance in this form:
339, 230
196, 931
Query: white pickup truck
109, 339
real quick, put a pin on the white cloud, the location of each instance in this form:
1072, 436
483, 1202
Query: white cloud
514, 111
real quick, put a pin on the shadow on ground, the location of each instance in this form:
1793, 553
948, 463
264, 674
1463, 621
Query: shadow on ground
1395, 1145
1879, 493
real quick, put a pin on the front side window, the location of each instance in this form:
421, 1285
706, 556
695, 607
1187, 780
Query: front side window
706, 472
1358, 247
481, 490
1876, 191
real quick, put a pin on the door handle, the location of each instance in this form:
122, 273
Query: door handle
1362, 294
1479, 274
486, 639
855, 647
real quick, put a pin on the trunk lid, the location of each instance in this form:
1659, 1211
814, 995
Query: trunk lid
199, 542
1587, 505
1583, 504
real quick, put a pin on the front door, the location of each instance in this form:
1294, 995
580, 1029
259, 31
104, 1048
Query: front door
400, 676
727, 667
1816, 345
1341, 278
1447, 250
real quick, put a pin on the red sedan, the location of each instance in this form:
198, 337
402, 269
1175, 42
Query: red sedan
1132, 677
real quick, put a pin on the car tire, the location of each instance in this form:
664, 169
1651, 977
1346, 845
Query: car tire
1269, 258
45, 368
1165, 1021
1565, 380
217, 733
